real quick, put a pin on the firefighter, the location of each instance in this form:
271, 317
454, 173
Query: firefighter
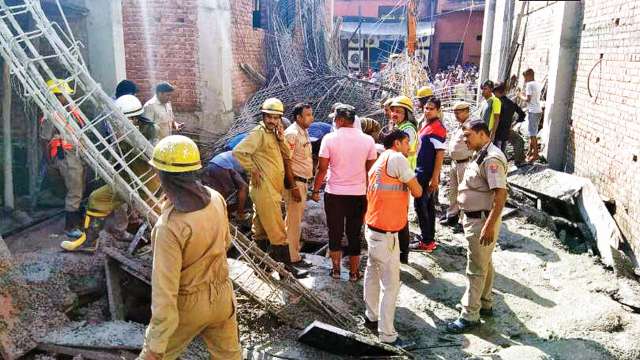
402, 115
265, 155
61, 154
191, 293
103, 202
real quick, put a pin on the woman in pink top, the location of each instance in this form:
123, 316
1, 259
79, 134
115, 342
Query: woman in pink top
345, 156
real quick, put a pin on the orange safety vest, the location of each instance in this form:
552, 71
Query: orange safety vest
387, 199
56, 143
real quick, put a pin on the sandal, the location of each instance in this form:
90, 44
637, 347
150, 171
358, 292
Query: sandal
355, 276
335, 273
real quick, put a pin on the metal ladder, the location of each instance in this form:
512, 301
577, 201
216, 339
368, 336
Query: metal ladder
102, 151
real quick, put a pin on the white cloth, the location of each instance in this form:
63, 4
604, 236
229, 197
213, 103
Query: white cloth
382, 282
533, 89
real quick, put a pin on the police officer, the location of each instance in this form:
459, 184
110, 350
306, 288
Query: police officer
264, 154
460, 155
297, 138
60, 152
191, 293
481, 195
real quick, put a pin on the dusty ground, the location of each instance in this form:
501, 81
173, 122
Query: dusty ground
550, 302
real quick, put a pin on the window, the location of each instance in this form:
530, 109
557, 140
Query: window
391, 13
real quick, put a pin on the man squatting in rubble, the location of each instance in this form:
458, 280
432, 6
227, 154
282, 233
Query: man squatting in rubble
191, 292
103, 202
59, 152
481, 196
265, 155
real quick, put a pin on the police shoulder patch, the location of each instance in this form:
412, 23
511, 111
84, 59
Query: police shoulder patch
493, 167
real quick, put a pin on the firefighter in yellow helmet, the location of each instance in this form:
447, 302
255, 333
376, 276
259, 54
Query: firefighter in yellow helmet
103, 202
60, 153
423, 95
265, 156
402, 116
191, 293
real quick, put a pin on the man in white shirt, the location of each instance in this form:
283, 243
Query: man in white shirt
531, 95
159, 110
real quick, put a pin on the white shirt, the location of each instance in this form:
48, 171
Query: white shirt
533, 89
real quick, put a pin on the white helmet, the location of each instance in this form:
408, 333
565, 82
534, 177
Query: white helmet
129, 105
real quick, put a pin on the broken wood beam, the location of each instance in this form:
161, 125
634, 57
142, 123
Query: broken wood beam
86, 353
114, 289
137, 238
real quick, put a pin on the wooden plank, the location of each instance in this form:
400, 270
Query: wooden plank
137, 238
114, 289
87, 353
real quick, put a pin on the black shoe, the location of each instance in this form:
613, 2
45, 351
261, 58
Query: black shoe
302, 264
449, 220
402, 344
457, 229
404, 258
280, 253
297, 273
461, 326
372, 325
486, 312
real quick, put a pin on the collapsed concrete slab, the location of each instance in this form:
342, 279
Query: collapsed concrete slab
342, 342
572, 196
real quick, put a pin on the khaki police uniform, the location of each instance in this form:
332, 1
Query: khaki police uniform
486, 172
191, 293
263, 151
302, 166
70, 166
460, 156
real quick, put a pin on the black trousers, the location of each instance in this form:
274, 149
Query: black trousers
345, 214
403, 239
426, 210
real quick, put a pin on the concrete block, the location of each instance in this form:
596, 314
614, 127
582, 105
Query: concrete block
342, 342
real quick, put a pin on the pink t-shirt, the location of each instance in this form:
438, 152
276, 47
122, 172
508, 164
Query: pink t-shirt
347, 149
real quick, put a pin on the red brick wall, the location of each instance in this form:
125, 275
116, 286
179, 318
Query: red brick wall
172, 50
451, 28
248, 47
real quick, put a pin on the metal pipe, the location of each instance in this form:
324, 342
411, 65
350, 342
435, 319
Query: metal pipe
6, 137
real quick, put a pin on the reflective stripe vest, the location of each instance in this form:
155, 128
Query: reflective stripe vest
407, 127
387, 198
57, 142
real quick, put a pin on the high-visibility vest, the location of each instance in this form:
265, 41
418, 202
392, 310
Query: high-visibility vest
387, 198
57, 142
413, 145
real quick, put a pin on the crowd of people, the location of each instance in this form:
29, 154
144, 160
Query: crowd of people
366, 175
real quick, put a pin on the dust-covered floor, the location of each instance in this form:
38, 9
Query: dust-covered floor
550, 302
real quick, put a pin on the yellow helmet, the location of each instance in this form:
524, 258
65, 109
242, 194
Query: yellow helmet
424, 91
402, 101
272, 106
57, 86
176, 154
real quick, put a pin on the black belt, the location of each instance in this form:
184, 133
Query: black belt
462, 161
301, 179
476, 214
372, 228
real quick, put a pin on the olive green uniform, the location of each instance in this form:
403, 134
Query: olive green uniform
486, 172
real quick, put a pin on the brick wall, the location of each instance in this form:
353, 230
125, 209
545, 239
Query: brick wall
248, 47
169, 51
537, 29
604, 140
